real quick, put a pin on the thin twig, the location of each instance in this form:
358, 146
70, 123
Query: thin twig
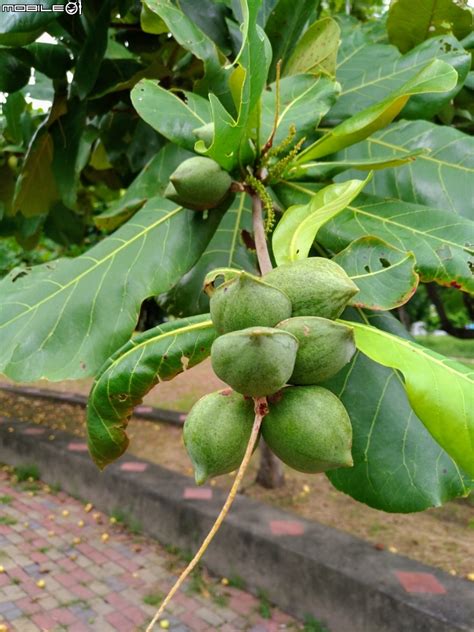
261, 409
260, 237
268, 145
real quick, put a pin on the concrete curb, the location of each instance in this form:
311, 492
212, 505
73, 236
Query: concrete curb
304, 568
142, 412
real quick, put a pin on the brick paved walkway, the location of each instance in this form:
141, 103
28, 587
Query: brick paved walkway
66, 567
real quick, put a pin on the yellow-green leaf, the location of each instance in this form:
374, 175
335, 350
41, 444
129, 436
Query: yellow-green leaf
441, 391
296, 231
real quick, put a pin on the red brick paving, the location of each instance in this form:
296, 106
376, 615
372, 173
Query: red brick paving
95, 583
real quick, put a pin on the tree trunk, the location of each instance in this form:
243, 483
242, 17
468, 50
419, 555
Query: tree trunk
270, 474
446, 324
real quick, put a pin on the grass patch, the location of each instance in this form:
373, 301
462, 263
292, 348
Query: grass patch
27, 473
235, 581
449, 346
264, 606
313, 625
126, 520
8, 521
153, 599
6, 500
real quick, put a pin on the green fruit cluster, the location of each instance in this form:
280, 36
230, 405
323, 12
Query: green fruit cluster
199, 183
278, 339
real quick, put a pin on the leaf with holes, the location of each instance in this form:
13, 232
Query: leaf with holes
226, 249
443, 244
157, 355
398, 466
385, 276
63, 319
410, 23
297, 229
441, 177
440, 391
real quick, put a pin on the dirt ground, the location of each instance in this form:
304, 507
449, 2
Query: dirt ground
442, 537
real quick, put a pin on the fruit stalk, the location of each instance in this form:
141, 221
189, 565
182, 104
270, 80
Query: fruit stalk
261, 247
261, 409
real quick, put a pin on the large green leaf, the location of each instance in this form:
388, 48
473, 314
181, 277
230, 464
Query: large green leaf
18, 28
284, 26
53, 60
441, 177
365, 83
154, 356
188, 34
151, 182
437, 76
398, 466
385, 276
15, 69
304, 101
440, 391
90, 57
226, 249
63, 319
168, 114
67, 134
410, 23
316, 52
297, 229
442, 244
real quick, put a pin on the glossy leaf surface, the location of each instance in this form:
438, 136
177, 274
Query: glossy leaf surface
442, 176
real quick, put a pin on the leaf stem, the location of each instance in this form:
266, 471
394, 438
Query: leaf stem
261, 409
260, 237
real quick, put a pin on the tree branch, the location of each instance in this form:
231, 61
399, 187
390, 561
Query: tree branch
263, 256
446, 324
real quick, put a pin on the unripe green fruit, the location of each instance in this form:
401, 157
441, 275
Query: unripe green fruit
246, 301
257, 361
309, 429
12, 162
316, 286
216, 433
205, 133
324, 348
198, 183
